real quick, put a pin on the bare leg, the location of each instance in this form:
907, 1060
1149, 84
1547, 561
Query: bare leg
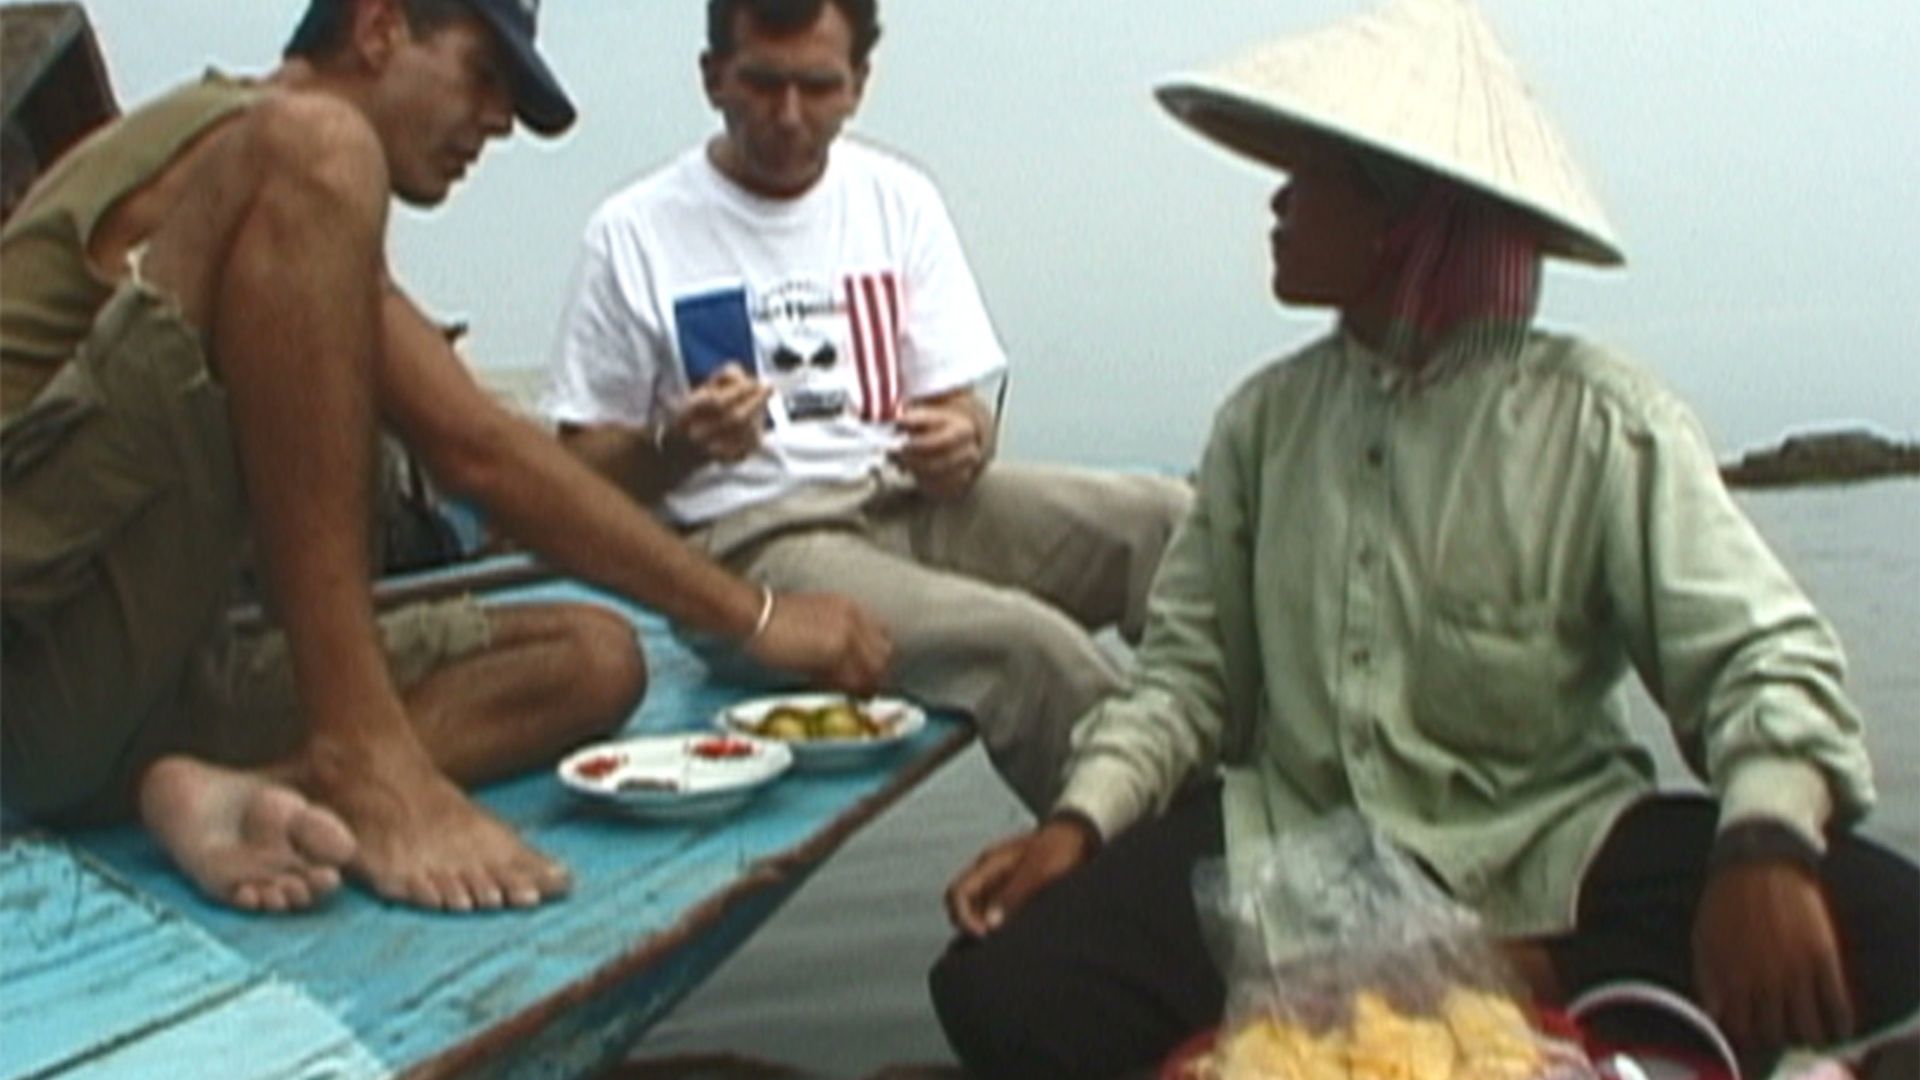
555, 677
244, 838
297, 343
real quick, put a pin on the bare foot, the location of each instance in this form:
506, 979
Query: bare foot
244, 839
422, 842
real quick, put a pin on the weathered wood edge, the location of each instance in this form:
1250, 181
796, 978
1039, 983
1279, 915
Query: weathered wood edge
769, 872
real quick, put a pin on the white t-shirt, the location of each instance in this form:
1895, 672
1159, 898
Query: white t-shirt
850, 300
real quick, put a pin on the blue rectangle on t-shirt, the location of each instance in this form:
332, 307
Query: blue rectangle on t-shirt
714, 332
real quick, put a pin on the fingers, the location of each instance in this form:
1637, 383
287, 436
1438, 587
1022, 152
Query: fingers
1836, 1000
721, 418
870, 651
1006, 876
973, 904
1805, 1023
1712, 991
1036, 871
827, 638
936, 434
1766, 961
941, 460
944, 449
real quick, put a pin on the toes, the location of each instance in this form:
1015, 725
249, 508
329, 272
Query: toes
321, 880
453, 890
319, 836
276, 895
294, 891
413, 890
521, 889
424, 890
553, 878
532, 880
484, 887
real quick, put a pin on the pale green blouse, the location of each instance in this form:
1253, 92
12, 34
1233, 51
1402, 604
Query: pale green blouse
1421, 596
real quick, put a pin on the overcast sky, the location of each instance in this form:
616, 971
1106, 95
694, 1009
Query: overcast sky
1757, 156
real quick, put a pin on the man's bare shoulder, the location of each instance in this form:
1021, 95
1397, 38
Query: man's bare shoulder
306, 133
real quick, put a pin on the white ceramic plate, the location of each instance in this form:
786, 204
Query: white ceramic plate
899, 719
675, 777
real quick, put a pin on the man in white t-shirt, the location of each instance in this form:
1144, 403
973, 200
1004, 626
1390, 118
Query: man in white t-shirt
776, 339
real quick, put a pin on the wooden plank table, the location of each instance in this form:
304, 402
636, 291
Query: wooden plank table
112, 966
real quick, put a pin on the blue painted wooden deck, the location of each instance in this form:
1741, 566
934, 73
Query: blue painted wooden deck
111, 966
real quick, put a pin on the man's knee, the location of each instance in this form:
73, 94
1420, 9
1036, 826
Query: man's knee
1039, 654
1165, 500
605, 657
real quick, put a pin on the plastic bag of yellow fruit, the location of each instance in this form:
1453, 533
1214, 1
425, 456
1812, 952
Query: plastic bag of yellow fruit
1343, 961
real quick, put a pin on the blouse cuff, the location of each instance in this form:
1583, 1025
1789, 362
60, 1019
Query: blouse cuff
1790, 792
1103, 795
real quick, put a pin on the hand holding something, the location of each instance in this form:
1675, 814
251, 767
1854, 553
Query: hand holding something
827, 638
946, 447
1766, 960
720, 420
1007, 874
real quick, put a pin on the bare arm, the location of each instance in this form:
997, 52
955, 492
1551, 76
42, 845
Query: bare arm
543, 496
718, 422
627, 457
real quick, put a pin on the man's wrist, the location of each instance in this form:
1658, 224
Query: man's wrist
671, 449
982, 431
658, 436
1090, 839
764, 619
1763, 841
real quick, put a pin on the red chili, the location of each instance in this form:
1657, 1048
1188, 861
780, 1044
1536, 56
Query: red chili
723, 748
596, 767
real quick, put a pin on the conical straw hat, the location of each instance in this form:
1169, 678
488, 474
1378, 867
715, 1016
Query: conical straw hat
1422, 81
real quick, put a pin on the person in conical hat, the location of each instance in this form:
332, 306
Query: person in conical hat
1425, 553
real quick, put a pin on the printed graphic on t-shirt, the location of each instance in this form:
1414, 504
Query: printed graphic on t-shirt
829, 350
873, 321
714, 332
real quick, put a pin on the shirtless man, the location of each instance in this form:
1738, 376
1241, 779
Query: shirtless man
199, 341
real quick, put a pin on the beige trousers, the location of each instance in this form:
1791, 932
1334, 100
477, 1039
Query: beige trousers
992, 599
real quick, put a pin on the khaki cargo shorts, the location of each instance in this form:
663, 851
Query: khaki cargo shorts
123, 527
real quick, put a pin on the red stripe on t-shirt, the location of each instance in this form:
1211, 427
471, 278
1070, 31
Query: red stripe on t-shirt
869, 408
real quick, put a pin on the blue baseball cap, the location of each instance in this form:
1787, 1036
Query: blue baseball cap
537, 97
538, 100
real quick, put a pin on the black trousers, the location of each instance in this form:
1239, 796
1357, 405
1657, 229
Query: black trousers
1105, 973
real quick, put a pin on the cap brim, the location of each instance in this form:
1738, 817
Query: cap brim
1280, 139
538, 100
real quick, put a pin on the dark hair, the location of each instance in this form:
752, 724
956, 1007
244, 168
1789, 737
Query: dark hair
790, 17
324, 27
1400, 184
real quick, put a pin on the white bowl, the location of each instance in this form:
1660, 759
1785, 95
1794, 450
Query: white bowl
902, 718
675, 777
